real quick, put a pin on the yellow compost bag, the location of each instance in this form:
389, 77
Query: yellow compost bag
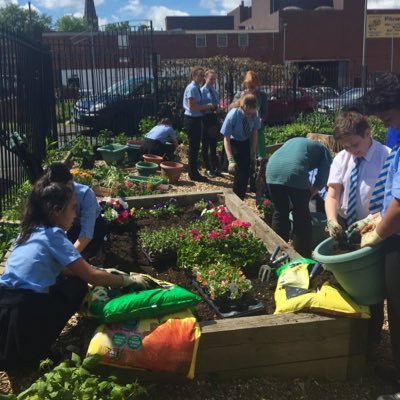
291, 293
162, 344
332, 301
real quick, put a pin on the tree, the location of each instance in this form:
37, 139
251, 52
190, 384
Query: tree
69, 23
117, 27
24, 20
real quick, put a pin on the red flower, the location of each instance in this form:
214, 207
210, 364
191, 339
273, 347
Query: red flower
194, 232
265, 202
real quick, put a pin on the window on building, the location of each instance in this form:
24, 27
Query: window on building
222, 40
243, 40
123, 41
201, 41
123, 60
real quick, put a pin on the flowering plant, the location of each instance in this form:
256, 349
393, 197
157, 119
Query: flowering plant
115, 210
81, 176
221, 279
266, 208
220, 238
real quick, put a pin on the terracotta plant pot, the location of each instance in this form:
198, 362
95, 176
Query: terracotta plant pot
172, 170
152, 158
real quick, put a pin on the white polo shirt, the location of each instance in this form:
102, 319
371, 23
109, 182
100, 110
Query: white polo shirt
369, 169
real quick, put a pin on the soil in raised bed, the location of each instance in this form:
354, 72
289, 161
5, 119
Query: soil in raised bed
123, 251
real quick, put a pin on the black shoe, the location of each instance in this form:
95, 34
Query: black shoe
199, 178
216, 172
395, 396
210, 174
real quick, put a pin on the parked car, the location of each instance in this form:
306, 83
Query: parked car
323, 92
350, 100
284, 104
120, 107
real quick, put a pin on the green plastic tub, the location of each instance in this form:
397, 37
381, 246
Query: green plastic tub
360, 272
134, 152
155, 181
113, 153
145, 168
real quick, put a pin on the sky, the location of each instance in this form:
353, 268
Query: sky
109, 11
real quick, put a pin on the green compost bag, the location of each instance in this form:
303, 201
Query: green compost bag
148, 303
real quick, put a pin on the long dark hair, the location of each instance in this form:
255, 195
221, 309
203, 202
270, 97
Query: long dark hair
42, 203
55, 172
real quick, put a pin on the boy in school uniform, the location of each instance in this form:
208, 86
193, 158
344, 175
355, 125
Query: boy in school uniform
384, 102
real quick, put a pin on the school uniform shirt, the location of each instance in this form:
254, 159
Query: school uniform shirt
87, 209
192, 90
368, 171
392, 137
162, 133
209, 95
233, 125
36, 263
392, 186
290, 165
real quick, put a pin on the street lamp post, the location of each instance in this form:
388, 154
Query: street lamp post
284, 42
363, 65
392, 51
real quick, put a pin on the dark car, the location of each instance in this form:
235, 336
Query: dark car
284, 104
350, 100
119, 108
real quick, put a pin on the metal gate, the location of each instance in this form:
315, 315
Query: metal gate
26, 106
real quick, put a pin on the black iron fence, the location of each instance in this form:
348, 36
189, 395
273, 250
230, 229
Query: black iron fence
26, 107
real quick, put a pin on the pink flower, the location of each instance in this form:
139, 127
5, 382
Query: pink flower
265, 202
181, 235
196, 237
213, 235
194, 232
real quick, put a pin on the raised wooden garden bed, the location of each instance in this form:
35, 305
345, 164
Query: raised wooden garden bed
282, 345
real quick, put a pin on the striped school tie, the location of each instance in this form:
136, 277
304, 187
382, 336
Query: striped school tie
351, 204
376, 202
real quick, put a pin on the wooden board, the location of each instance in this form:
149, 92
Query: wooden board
287, 345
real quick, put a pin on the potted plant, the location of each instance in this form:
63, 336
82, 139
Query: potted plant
159, 246
82, 152
266, 209
116, 212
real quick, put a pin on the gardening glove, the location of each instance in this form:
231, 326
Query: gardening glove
232, 166
335, 230
370, 238
139, 282
362, 223
113, 271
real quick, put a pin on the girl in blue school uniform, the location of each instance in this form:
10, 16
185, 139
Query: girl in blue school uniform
240, 129
193, 104
89, 228
45, 279
161, 140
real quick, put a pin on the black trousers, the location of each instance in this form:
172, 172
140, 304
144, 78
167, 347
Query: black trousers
100, 230
392, 277
31, 322
193, 128
158, 148
302, 229
241, 154
208, 143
